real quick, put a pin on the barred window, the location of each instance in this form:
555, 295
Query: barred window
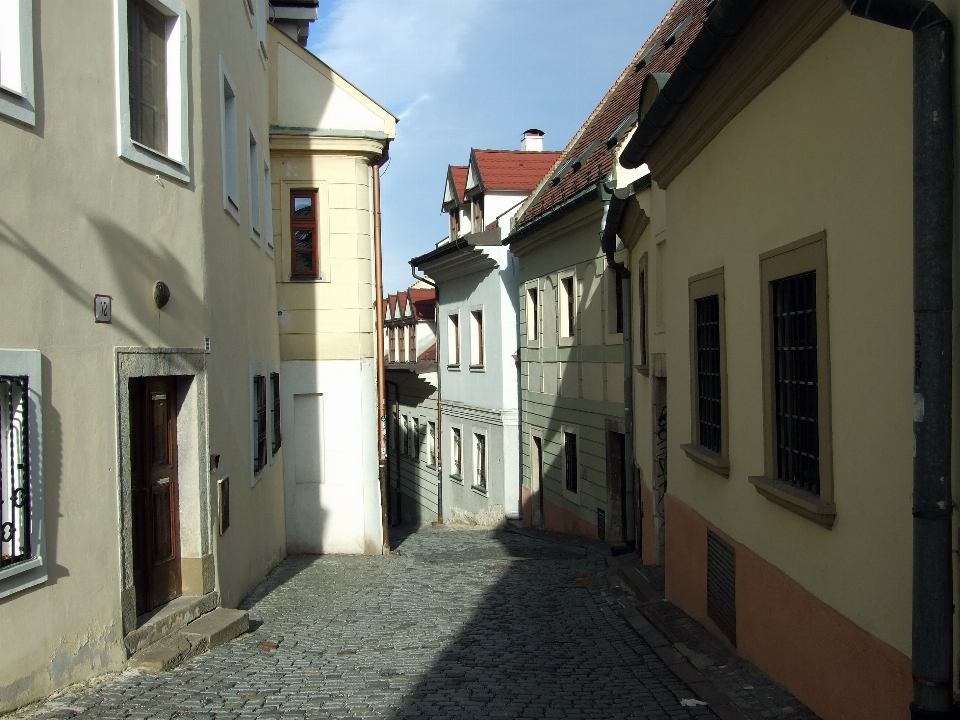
456, 460
794, 313
708, 371
570, 460
260, 422
480, 461
432, 444
15, 540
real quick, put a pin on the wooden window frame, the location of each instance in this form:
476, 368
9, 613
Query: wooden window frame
643, 308
805, 255
478, 360
453, 340
135, 10
412, 344
454, 216
260, 423
702, 286
305, 224
476, 213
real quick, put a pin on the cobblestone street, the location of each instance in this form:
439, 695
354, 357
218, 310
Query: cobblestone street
461, 624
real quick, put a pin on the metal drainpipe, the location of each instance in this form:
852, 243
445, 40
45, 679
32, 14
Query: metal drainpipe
608, 240
436, 440
933, 162
381, 370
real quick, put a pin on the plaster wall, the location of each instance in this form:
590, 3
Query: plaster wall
415, 483
331, 483
79, 221
802, 158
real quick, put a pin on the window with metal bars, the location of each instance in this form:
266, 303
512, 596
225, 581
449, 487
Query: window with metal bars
570, 461
260, 422
796, 409
480, 461
275, 390
707, 334
15, 545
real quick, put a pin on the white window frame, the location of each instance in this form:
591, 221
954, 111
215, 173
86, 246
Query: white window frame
454, 341
573, 430
431, 443
404, 429
175, 163
478, 339
475, 455
563, 338
456, 474
406, 343
16, 54
229, 141
533, 329
268, 208
255, 203
33, 571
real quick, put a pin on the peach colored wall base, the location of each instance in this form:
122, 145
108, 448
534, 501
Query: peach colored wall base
647, 554
832, 665
558, 519
525, 506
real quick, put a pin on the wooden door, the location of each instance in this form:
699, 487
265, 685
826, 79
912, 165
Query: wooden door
616, 485
156, 515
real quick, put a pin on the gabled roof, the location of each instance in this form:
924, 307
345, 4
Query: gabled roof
424, 302
589, 156
519, 170
453, 193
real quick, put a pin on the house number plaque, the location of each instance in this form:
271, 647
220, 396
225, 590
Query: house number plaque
102, 308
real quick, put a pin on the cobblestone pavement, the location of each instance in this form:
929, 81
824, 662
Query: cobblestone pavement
463, 624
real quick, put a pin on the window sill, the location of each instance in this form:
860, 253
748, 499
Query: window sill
295, 279
482, 492
21, 567
823, 512
476, 368
643, 369
154, 160
566, 342
457, 479
708, 458
453, 367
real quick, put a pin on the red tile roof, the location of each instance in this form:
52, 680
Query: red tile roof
459, 175
429, 354
512, 169
616, 106
424, 303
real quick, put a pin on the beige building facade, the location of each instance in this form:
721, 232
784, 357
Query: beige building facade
327, 139
780, 252
140, 374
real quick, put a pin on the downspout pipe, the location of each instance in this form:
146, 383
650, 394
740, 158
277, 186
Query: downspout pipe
437, 444
381, 369
933, 162
614, 205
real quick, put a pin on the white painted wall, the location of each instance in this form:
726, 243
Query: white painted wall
332, 489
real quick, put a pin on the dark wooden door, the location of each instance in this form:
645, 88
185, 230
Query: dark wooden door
156, 516
538, 490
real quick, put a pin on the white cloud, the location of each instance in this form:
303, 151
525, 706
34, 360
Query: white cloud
395, 49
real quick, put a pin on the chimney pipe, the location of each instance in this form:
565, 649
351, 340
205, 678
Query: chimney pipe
532, 140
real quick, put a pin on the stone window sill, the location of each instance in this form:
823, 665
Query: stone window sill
813, 507
457, 479
479, 490
708, 458
643, 369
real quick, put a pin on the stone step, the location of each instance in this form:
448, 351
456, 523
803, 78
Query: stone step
169, 618
205, 633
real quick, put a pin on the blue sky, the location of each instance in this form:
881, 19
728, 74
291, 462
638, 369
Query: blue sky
472, 73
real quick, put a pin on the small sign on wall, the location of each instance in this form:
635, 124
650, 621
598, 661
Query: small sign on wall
102, 308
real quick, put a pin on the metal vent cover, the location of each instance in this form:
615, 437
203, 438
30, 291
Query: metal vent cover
722, 585
601, 524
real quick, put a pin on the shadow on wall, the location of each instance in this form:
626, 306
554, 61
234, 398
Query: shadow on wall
542, 638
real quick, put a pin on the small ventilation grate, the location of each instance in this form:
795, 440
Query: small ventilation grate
721, 585
601, 524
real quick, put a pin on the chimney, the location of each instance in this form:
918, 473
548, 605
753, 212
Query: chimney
532, 140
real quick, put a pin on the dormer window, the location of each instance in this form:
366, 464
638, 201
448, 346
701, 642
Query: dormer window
476, 212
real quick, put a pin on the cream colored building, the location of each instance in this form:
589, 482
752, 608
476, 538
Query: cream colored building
327, 141
779, 255
147, 466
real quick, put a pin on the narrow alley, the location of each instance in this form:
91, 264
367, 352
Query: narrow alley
461, 624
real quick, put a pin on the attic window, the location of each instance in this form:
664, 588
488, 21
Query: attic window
621, 130
647, 56
677, 32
